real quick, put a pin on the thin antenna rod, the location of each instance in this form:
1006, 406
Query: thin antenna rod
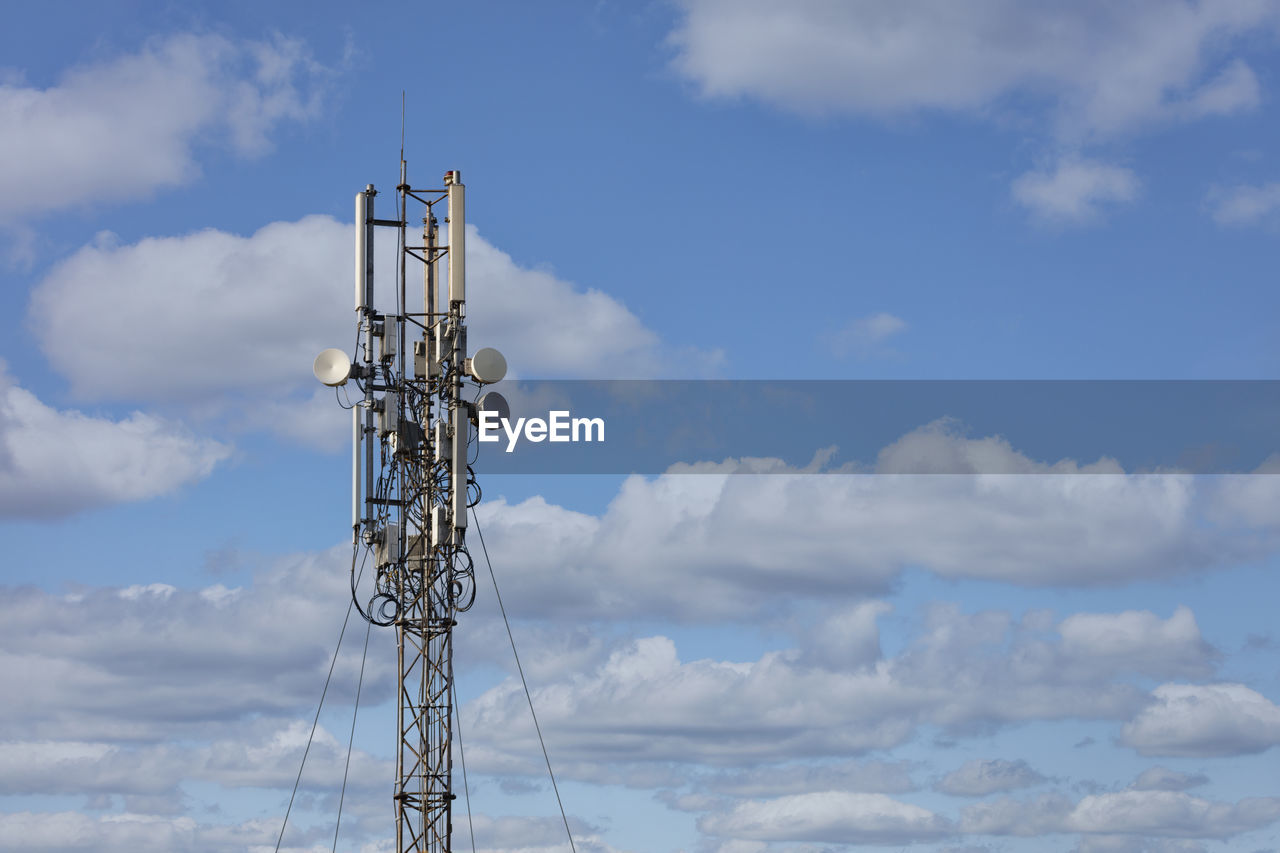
402, 130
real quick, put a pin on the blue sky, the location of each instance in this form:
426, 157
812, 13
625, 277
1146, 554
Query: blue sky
691, 189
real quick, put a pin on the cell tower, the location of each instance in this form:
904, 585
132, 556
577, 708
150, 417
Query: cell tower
412, 484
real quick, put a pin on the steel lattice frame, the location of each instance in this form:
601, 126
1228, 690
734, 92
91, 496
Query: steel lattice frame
414, 511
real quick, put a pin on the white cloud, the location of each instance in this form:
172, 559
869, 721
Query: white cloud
1170, 814
1098, 68
55, 462
135, 691
941, 447
1234, 90
121, 128
1075, 191
68, 831
28, 767
717, 545
963, 673
549, 327
870, 777
979, 777
864, 335
1008, 816
846, 638
258, 754
203, 314
831, 817
157, 663
1158, 814
1137, 844
131, 832
531, 835
1247, 499
1244, 204
1164, 779
1205, 720
1140, 640
228, 325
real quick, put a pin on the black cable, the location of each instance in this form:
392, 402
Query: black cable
462, 756
355, 580
527, 695
352, 739
316, 721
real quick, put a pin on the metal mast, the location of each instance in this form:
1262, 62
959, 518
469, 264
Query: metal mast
412, 485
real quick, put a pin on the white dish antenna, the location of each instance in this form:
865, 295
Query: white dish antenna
492, 401
332, 367
487, 366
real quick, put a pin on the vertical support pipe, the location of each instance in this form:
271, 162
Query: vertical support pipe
428, 337
355, 473
405, 359
458, 465
369, 193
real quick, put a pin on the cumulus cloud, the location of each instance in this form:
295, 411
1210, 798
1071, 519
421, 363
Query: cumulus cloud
717, 545
121, 128
549, 327
1097, 68
133, 832
533, 835
135, 691
262, 754
864, 336
154, 662
1142, 641
1170, 814
980, 777
831, 817
1235, 89
55, 462
134, 694
1245, 204
116, 833
1137, 844
846, 638
870, 777
1075, 191
964, 673
219, 342
1157, 814
1164, 779
211, 324
1008, 816
1204, 720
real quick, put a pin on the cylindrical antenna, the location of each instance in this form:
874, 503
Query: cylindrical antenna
370, 192
364, 248
363, 257
457, 237
361, 251
368, 436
